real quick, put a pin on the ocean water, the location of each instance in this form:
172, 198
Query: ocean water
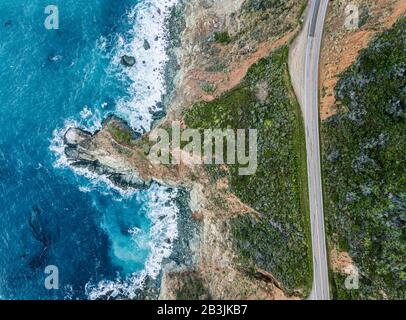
102, 239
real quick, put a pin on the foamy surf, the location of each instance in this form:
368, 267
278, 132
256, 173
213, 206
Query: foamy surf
91, 121
162, 212
147, 82
147, 41
94, 181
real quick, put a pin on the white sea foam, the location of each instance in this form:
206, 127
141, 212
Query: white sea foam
162, 212
146, 89
147, 80
91, 122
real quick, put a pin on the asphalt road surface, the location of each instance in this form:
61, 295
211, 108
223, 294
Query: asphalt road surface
314, 29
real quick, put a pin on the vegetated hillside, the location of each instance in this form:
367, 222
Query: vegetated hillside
364, 168
276, 240
341, 45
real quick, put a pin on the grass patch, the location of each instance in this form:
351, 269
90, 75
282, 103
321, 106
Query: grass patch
208, 87
217, 67
222, 37
262, 5
121, 135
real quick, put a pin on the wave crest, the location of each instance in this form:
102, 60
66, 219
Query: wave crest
162, 212
147, 77
145, 92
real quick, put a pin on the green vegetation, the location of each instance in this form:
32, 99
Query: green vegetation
120, 149
364, 15
121, 134
192, 288
277, 240
364, 163
262, 5
303, 6
208, 87
265, 20
216, 67
222, 37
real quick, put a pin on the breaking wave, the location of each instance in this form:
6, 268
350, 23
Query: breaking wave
162, 212
148, 44
147, 41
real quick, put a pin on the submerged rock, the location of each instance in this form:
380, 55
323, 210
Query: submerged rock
158, 115
128, 61
147, 46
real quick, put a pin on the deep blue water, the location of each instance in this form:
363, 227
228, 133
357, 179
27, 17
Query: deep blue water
46, 218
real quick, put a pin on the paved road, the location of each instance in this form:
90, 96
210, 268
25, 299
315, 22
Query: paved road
314, 29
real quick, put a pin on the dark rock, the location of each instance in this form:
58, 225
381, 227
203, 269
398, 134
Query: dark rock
158, 115
125, 181
128, 61
8, 23
137, 135
72, 153
147, 46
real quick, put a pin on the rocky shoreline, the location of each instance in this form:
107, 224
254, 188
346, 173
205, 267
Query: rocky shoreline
204, 251
82, 151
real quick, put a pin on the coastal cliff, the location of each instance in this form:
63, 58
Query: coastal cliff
83, 150
223, 46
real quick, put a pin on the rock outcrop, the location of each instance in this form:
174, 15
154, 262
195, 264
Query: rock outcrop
84, 151
146, 45
128, 61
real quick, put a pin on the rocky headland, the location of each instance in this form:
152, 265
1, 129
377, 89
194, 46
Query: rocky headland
219, 42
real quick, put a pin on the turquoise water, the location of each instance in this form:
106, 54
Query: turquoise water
99, 237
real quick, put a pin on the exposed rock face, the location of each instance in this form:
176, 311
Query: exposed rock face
196, 197
84, 151
75, 136
128, 61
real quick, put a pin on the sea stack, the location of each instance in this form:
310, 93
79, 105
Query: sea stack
128, 61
